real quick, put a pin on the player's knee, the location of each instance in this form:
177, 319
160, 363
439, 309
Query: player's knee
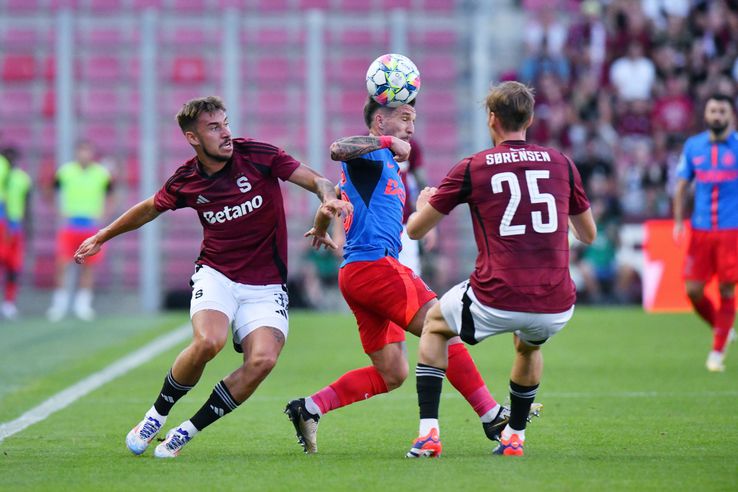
695, 293
206, 348
261, 364
394, 377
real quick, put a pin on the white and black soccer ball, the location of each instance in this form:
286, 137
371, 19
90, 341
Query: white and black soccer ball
393, 80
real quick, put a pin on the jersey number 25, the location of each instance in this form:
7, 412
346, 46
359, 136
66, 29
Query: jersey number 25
531, 178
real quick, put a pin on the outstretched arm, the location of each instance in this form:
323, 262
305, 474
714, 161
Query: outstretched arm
311, 180
426, 217
347, 148
133, 218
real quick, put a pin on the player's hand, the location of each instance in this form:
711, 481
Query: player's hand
678, 231
320, 238
424, 196
336, 207
89, 247
401, 149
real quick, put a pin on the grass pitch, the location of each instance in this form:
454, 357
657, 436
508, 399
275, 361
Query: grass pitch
628, 405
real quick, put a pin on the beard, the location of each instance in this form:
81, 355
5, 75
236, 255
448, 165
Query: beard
216, 157
717, 127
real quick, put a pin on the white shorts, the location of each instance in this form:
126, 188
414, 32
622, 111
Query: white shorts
474, 321
410, 252
248, 307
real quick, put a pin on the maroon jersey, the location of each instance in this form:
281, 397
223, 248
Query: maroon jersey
520, 197
240, 209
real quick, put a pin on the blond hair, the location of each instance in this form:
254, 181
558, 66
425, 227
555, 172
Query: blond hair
192, 109
512, 103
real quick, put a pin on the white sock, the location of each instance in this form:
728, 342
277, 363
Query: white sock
509, 431
426, 425
83, 298
189, 428
156, 415
312, 407
490, 415
60, 299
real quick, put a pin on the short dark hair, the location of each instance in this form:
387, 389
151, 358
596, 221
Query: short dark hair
722, 98
512, 103
192, 109
371, 107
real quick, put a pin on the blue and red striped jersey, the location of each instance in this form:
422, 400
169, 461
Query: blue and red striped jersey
713, 165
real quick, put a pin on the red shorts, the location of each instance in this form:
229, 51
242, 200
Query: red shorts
385, 296
68, 240
14, 251
712, 253
3, 240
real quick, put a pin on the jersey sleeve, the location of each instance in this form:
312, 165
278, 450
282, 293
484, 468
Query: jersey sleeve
578, 201
454, 189
684, 167
168, 197
283, 165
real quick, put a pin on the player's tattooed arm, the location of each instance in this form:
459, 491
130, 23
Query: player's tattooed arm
347, 148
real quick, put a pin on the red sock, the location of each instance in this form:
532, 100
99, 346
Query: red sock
11, 290
706, 310
353, 386
724, 319
463, 374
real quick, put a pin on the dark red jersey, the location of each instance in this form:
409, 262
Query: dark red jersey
520, 197
240, 209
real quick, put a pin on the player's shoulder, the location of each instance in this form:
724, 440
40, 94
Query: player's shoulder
699, 140
733, 139
250, 146
183, 173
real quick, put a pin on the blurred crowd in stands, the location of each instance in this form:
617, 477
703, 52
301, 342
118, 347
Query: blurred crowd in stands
620, 85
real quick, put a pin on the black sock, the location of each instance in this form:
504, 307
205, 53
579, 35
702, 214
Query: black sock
219, 404
170, 392
521, 398
429, 382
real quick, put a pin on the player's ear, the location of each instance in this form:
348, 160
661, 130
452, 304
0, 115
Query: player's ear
191, 138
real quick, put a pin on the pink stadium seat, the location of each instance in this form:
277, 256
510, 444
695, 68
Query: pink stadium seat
104, 136
18, 68
356, 5
271, 5
48, 105
190, 37
359, 38
18, 134
396, 4
191, 6
102, 68
436, 40
188, 70
16, 103
47, 140
19, 37
437, 67
314, 4
352, 71
107, 38
174, 99
271, 70
101, 104
144, 4
64, 4
105, 6
439, 5
21, 6
443, 136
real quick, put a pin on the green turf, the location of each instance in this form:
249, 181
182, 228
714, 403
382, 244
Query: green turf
628, 405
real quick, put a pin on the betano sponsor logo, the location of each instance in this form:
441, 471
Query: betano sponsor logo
229, 213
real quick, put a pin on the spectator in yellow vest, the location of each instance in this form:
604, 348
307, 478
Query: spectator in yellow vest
83, 186
17, 191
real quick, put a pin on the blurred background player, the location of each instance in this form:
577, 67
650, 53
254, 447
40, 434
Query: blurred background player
521, 198
414, 180
386, 297
4, 172
710, 159
83, 186
16, 203
239, 281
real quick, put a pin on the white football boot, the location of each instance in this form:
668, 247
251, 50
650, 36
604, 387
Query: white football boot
141, 436
173, 444
715, 361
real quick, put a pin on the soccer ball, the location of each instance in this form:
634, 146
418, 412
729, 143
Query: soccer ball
393, 80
